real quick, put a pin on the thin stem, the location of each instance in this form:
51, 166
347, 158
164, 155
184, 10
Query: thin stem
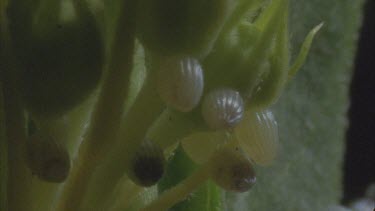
124, 195
171, 127
146, 108
19, 176
180, 191
3, 155
107, 113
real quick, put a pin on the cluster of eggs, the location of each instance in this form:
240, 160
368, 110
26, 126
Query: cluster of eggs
223, 111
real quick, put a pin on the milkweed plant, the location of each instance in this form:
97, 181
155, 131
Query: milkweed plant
94, 107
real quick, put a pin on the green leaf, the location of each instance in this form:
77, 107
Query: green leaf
311, 114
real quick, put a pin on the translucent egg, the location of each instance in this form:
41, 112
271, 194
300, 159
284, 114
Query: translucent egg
231, 170
258, 136
147, 166
47, 159
200, 146
180, 82
222, 109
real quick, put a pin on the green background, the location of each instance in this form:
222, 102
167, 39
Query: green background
311, 114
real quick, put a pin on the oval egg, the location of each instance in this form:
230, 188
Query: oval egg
147, 165
222, 109
180, 82
258, 136
231, 170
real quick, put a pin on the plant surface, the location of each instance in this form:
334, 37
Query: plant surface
101, 100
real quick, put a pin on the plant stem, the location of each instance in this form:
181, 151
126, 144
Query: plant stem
19, 176
146, 108
171, 127
3, 155
107, 113
179, 192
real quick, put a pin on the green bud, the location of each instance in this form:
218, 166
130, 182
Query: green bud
60, 52
187, 27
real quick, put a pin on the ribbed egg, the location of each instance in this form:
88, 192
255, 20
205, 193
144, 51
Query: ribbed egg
180, 82
147, 165
231, 170
258, 136
222, 109
47, 159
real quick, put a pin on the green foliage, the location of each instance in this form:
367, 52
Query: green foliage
252, 57
311, 114
181, 27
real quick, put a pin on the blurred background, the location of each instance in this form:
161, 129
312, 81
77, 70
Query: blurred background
359, 163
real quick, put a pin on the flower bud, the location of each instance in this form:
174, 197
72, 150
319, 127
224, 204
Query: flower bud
187, 27
60, 52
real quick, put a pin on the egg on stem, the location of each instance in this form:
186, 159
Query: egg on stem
222, 109
179, 82
258, 136
147, 165
232, 170
47, 159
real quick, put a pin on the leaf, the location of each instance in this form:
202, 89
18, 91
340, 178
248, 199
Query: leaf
311, 114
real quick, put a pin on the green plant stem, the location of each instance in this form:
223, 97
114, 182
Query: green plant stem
179, 192
66, 130
146, 108
107, 113
124, 195
172, 126
19, 176
3, 155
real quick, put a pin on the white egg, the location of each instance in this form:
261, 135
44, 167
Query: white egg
180, 82
258, 136
222, 108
